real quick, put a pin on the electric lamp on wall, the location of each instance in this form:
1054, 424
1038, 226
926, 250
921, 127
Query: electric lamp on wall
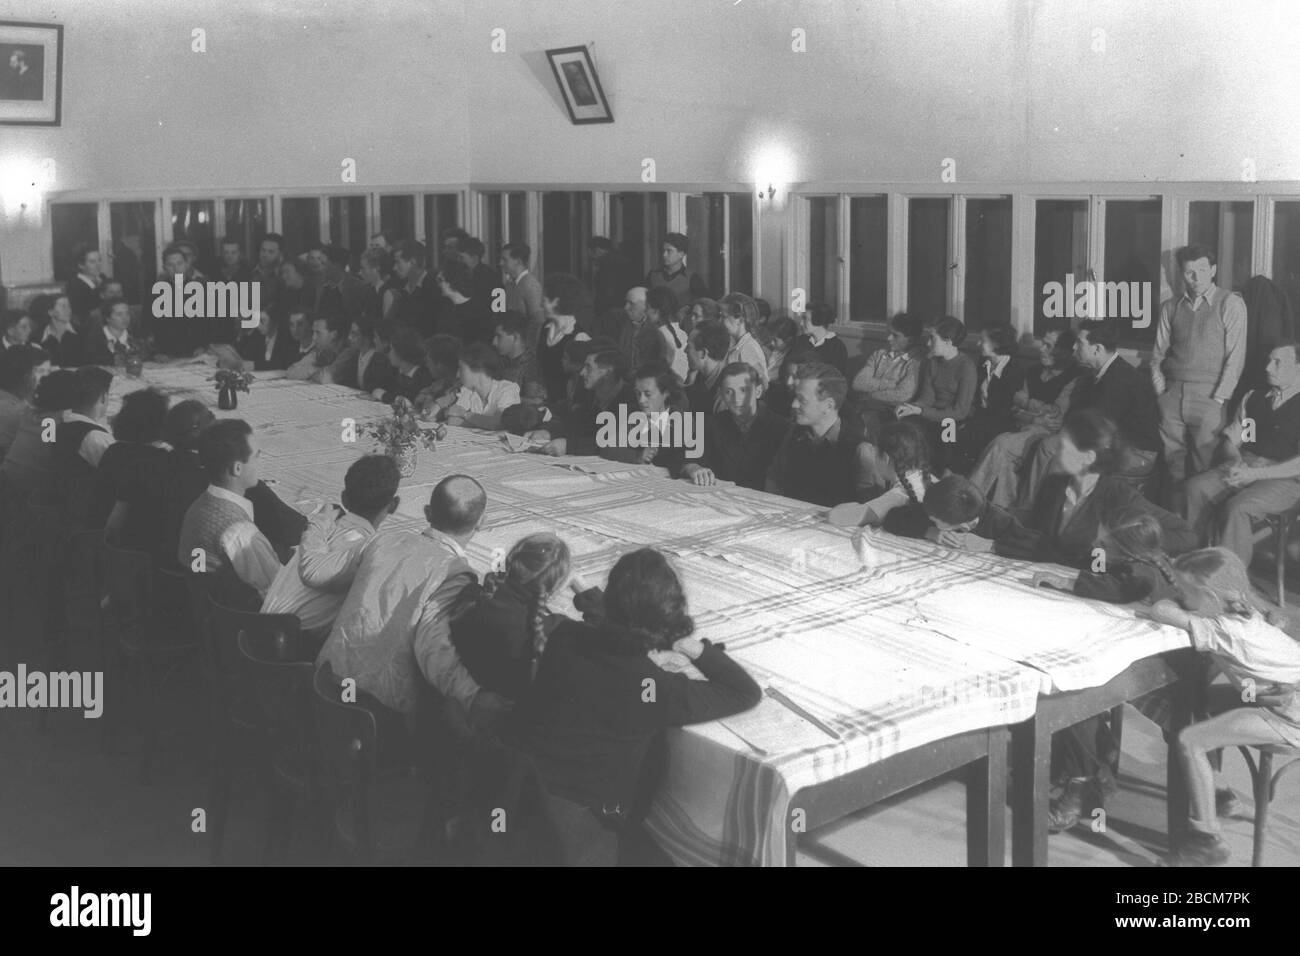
773, 169
23, 185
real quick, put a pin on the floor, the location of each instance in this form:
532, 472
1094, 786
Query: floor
70, 802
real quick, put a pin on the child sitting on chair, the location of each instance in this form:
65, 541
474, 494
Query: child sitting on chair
1261, 707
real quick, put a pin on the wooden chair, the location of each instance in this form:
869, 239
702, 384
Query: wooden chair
153, 635
1280, 524
1264, 782
281, 679
382, 812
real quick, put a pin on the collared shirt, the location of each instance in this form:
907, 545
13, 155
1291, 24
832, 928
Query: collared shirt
1075, 496
363, 363
889, 376
251, 555
996, 367
327, 544
485, 412
1234, 324
270, 346
558, 327
95, 443
304, 368
1105, 365
115, 339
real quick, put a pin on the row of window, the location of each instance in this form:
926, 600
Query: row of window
865, 255
959, 252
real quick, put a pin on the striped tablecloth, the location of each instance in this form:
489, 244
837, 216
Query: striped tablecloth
891, 643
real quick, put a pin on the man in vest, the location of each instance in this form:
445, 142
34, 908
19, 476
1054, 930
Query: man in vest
1262, 472
1198, 357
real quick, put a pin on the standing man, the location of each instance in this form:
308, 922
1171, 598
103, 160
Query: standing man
270, 256
687, 286
523, 291
233, 267
417, 305
1198, 357
486, 279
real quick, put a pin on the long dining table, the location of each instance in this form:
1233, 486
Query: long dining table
885, 662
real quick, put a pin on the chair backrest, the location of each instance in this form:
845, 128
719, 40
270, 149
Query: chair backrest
282, 632
128, 585
283, 686
348, 736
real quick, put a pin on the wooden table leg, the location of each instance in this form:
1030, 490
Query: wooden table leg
1031, 765
1177, 798
986, 801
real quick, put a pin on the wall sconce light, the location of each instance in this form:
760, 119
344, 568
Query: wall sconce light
770, 194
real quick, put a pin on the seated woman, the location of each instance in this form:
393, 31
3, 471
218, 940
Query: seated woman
1000, 380
500, 637
442, 362
269, 346
777, 336
1067, 511
370, 369
816, 341
601, 699
133, 475
407, 355
1037, 411
21, 370
53, 315
483, 395
948, 380
658, 394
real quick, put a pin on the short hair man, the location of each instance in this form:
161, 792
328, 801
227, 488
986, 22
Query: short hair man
742, 438
233, 267
333, 539
518, 358
523, 290
706, 356
392, 633
1262, 472
605, 387
418, 304
688, 286
218, 533
818, 461
1196, 363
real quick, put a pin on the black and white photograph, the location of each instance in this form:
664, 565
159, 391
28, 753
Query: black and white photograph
31, 66
878, 448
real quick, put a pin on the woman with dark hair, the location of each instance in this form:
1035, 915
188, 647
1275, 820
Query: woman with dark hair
948, 382
1000, 379
371, 369
659, 395
21, 370
52, 314
602, 697
1070, 505
817, 342
1037, 410
561, 301
131, 483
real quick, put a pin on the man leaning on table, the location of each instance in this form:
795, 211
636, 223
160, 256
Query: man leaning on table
1197, 360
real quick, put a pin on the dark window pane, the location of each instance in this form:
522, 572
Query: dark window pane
300, 224
494, 236
823, 251
988, 263
705, 230
869, 240
246, 223
72, 224
928, 264
566, 230
1133, 255
442, 211
397, 217
1228, 228
637, 225
1286, 244
517, 228
1060, 250
348, 226
195, 221
740, 249
135, 247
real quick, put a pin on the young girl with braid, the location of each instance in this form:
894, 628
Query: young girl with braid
501, 636
1134, 565
900, 510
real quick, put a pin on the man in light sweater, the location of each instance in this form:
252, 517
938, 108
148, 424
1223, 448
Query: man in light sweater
1198, 357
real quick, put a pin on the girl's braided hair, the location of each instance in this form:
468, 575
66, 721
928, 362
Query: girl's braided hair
539, 565
1137, 535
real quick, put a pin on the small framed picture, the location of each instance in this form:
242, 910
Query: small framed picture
31, 73
579, 85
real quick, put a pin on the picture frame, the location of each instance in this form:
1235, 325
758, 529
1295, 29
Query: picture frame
31, 73
579, 85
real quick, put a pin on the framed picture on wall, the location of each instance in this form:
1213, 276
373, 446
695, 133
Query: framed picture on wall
579, 85
31, 73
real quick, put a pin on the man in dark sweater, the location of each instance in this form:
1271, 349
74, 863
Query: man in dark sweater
687, 286
1117, 390
419, 302
604, 380
1262, 473
741, 440
819, 461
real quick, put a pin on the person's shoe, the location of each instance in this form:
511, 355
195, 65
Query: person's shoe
1199, 849
1226, 802
1063, 812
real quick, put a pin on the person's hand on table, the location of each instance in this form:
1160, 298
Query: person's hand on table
487, 709
578, 583
456, 415
1053, 579
537, 434
378, 394
699, 475
690, 647
555, 448
1239, 474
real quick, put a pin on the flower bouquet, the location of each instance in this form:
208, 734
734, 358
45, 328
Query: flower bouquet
229, 382
401, 436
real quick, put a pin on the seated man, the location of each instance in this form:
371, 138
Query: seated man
518, 359
1117, 390
80, 442
741, 441
332, 539
482, 395
407, 355
393, 631
1262, 472
706, 353
218, 533
114, 338
604, 380
818, 461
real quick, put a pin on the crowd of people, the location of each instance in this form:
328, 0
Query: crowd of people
1059, 460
